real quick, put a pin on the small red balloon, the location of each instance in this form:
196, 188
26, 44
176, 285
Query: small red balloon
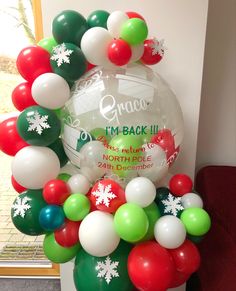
56, 192
119, 52
10, 141
179, 279
17, 186
33, 61
165, 140
68, 235
107, 195
151, 54
21, 96
132, 14
186, 257
90, 66
150, 267
180, 184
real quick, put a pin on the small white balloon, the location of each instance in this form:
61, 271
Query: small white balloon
94, 44
33, 166
169, 232
79, 184
190, 200
140, 191
97, 234
50, 91
137, 52
115, 21
92, 153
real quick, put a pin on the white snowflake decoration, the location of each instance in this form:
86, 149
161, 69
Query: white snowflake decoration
21, 206
38, 123
104, 195
172, 205
158, 47
61, 54
107, 269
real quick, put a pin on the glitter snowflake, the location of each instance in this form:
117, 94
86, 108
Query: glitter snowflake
21, 206
158, 47
103, 195
38, 123
107, 269
61, 54
172, 205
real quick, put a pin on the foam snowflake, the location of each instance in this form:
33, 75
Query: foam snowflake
172, 205
21, 206
103, 195
38, 123
158, 47
61, 54
107, 269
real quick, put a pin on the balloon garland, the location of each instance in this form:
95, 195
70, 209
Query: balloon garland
112, 215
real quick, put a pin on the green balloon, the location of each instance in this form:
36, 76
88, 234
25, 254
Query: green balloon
72, 66
153, 214
88, 276
64, 177
76, 207
56, 253
123, 153
98, 18
69, 26
195, 239
196, 221
146, 138
58, 149
161, 193
100, 134
48, 43
38, 126
131, 222
134, 31
165, 202
25, 212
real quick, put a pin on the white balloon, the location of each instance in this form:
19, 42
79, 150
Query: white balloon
97, 234
79, 184
169, 232
92, 173
115, 21
140, 191
137, 52
190, 200
50, 91
94, 44
33, 166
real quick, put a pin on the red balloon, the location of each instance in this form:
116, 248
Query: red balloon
56, 192
10, 141
21, 96
68, 235
132, 14
107, 195
180, 184
165, 140
17, 186
179, 279
150, 55
186, 257
119, 52
33, 61
90, 66
150, 267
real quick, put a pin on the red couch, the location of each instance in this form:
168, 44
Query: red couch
217, 185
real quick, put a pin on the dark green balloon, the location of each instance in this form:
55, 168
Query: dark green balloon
86, 276
29, 223
73, 66
38, 126
69, 26
98, 18
165, 211
195, 239
58, 149
161, 193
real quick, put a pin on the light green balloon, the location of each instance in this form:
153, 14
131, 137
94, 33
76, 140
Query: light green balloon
64, 177
76, 207
56, 253
134, 31
131, 222
196, 221
48, 43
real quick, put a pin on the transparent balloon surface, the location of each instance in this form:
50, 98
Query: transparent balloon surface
122, 122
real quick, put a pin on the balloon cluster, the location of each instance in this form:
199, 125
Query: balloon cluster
123, 235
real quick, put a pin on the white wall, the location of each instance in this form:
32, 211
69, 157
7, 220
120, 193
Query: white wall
182, 23
217, 127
